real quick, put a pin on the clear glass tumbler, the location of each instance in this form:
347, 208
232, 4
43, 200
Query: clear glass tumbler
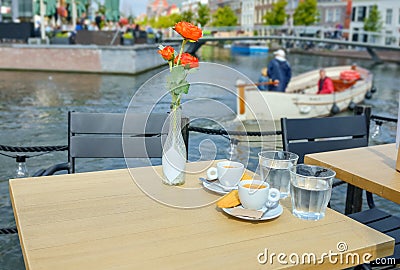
275, 167
311, 188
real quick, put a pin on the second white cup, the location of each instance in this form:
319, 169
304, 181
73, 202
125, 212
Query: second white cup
255, 194
228, 173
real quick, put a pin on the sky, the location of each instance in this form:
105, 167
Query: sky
137, 7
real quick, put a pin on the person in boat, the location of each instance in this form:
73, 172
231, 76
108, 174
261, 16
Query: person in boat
279, 71
263, 79
325, 84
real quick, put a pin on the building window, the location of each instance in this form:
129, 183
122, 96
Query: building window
353, 14
361, 12
388, 39
329, 15
399, 16
337, 15
389, 16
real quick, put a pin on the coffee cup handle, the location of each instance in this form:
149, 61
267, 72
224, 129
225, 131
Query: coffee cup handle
273, 195
212, 173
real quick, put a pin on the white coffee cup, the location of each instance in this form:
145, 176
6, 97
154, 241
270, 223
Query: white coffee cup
255, 194
228, 173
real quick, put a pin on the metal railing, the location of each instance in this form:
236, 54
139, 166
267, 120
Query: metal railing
322, 32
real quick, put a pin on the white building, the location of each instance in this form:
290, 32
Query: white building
390, 12
332, 12
248, 12
261, 8
290, 8
192, 5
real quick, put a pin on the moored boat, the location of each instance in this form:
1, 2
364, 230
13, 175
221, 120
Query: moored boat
249, 47
301, 99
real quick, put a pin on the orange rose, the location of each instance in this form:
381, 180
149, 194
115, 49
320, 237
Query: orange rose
167, 53
188, 60
188, 31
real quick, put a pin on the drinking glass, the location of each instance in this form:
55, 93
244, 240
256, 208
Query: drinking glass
311, 188
274, 169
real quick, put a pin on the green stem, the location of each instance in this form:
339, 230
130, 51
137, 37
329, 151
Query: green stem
170, 65
181, 51
176, 100
174, 117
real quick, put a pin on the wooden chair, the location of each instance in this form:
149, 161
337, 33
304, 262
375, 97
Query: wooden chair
104, 135
313, 135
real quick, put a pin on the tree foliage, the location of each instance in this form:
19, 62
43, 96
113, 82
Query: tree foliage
188, 16
224, 16
161, 22
203, 14
373, 23
277, 15
306, 13
101, 8
202, 17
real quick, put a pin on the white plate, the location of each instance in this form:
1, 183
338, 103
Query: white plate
218, 189
270, 214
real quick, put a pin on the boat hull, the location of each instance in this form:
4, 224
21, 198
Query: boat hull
301, 100
249, 48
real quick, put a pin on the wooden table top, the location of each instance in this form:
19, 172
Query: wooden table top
372, 168
102, 220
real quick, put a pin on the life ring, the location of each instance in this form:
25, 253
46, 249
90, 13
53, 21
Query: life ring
349, 75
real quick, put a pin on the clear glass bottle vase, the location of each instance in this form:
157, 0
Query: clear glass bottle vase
174, 150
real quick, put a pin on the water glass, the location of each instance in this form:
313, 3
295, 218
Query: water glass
311, 188
275, 167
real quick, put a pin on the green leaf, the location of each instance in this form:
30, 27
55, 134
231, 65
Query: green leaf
178, 73
182, 88
176, 80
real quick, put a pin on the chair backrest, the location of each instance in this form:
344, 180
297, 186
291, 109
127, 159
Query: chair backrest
117, 135
312, 135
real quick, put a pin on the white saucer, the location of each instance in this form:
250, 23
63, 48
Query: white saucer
218, 189
270, 214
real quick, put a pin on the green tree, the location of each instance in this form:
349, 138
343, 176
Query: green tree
151, 22
163, 22
101, 8
144, 21
373, 23
167, 21
277, 15
188, 16
224, 16
306, 13
174, 18
203, 14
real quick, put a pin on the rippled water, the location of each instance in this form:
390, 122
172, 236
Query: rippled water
34, 106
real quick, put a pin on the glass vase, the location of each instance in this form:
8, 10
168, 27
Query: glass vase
174, 150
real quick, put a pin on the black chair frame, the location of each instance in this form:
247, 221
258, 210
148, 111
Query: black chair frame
114, 135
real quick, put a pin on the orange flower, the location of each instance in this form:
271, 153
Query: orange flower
188, 60
167, 53
188, 31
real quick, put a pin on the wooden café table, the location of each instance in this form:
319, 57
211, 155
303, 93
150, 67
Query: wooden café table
372, 168
118, 220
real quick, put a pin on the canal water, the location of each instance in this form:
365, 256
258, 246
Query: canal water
34, 106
